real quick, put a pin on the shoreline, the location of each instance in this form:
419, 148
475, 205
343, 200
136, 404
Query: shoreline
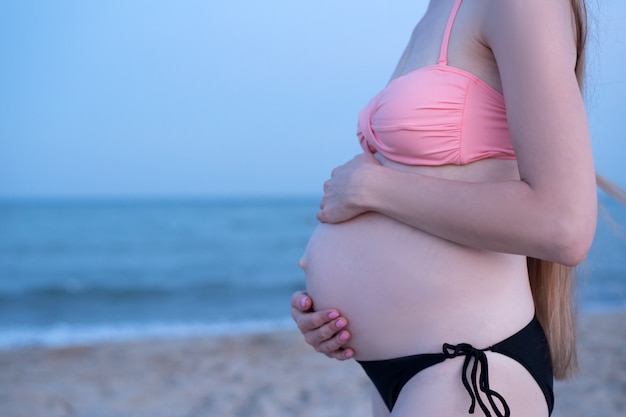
271, 373
68, 336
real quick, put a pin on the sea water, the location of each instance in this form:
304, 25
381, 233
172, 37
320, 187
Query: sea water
76, 271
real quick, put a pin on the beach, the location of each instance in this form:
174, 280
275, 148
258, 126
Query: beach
262, 375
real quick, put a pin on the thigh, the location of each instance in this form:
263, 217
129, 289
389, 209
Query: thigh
439, 391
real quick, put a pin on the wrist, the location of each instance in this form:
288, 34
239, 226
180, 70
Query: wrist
368, 189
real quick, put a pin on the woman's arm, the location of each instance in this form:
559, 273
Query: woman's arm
550, 213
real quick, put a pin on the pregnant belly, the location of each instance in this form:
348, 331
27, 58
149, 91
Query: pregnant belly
403, 290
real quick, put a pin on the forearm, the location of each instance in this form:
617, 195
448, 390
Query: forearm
505, 216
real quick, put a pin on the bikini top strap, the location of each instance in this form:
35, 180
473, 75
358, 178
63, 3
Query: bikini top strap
443, 55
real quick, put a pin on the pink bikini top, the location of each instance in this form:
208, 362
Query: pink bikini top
437, 115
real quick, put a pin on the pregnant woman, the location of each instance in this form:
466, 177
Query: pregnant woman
448, 244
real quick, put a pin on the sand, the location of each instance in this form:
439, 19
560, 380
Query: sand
261, 375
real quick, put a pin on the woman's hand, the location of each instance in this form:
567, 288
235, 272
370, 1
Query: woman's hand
324, 330
343, 192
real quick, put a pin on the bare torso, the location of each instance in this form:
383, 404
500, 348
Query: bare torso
406, 291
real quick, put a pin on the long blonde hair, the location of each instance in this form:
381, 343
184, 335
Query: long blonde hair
553, 285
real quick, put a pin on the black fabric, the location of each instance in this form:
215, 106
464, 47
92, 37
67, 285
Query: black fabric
529, 347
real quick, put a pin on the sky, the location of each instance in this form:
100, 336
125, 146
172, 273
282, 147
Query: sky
194, 98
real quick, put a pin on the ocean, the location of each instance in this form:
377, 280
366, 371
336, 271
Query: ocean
80, 271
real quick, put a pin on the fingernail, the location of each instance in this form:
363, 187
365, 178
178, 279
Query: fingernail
340, 323
333, 315
344, 336
303, 301
348, 354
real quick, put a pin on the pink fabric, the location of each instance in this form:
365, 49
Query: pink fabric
437, 115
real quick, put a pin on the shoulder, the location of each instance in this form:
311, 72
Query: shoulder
544, 29
548, 20
520, 9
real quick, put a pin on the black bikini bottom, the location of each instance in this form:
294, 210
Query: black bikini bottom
529, 347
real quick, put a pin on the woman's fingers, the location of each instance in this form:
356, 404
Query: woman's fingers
317, 326
334, 347
300, 299
324, 330
328, 338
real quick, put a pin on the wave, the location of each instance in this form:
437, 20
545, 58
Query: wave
73, 289
62, 335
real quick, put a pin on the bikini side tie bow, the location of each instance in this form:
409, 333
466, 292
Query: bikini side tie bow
479, 356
